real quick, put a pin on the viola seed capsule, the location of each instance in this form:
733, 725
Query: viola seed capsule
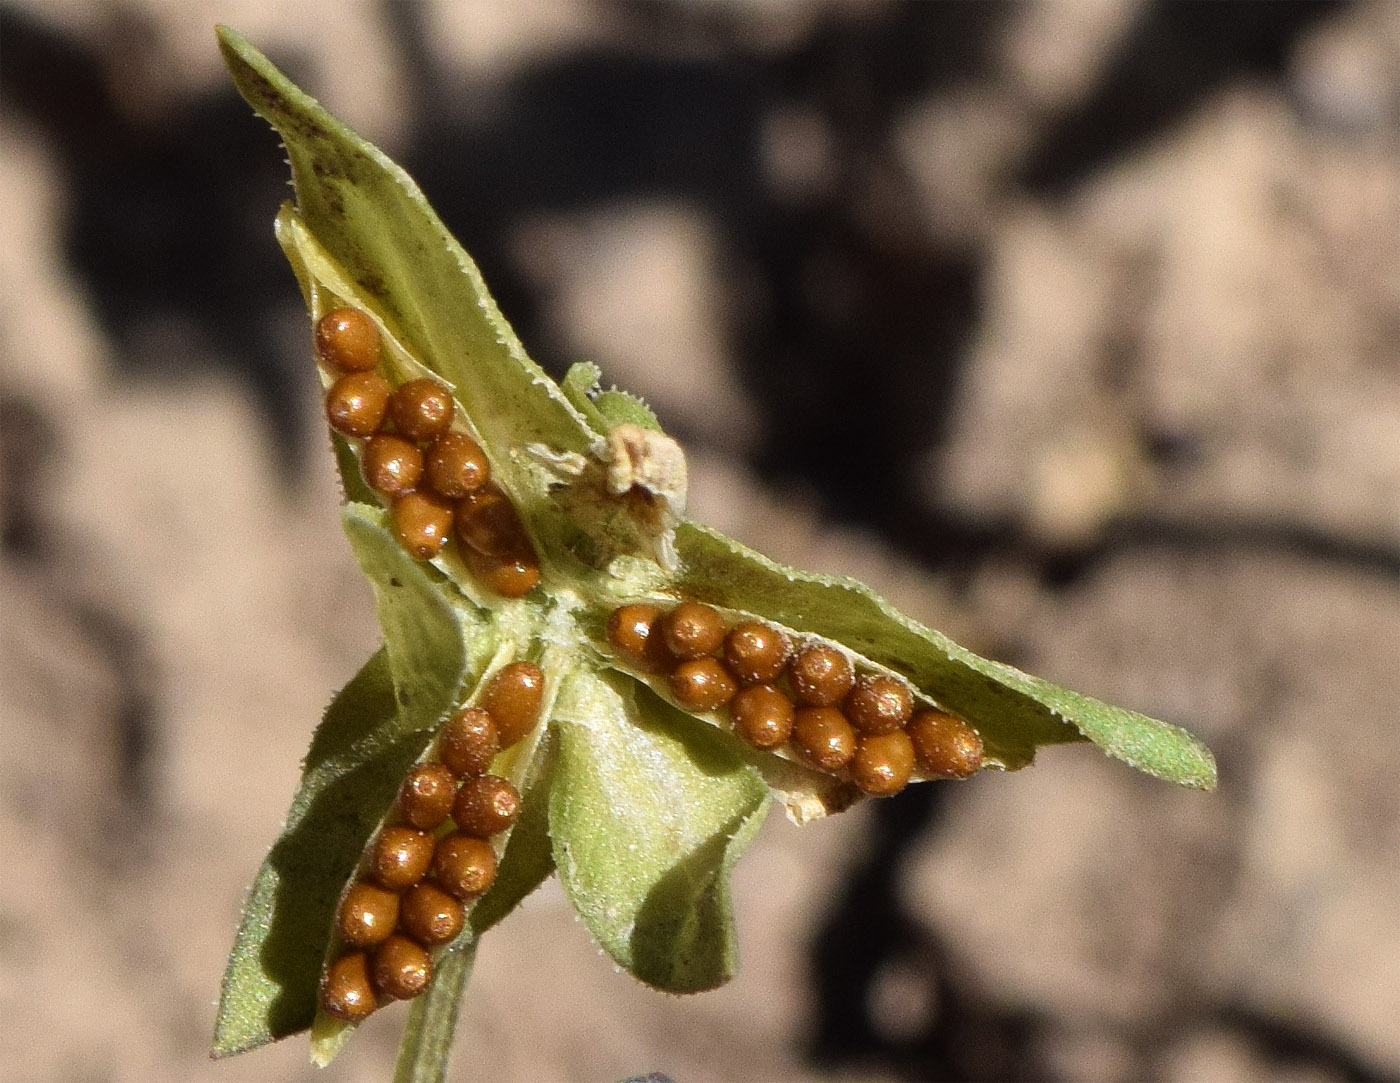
693, 630
824, 736
401, 968
347, 340
820, 676
485, 806
356, 402
421, 409
486, 521
755, 653
944, 746
421, 523
512, 699
762, 715
401, 857
469, 742
635, 631
457, 465
367, 914
430, 915
391, 464
878, 703
702, 684
465, 866
883, 763
513, 575
346, 992
426, 796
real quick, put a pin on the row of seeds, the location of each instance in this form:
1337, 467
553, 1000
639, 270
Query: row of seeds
810, 698
434, 856
436, 479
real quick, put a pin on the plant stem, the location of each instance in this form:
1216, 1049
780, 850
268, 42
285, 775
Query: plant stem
427, 1039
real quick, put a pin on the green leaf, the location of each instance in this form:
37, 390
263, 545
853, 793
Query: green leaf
650, 812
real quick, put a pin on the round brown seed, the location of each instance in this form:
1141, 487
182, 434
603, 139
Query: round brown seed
430, 915
755, 653
878, 703
457, 465
824, 737
356, 402
635, 631
391, 464
345, 990
944, 746
693, 630
512, 699
401, 857
421, 523
820, 676
485, 806
883, 763
487, 522
426, 796
512, 576
421, 409
465, 866
468, 742
702, 684
762, 715
401, 968
367, 914
346, 339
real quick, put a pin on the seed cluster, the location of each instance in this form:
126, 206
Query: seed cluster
435, 857
437, 480
809, 697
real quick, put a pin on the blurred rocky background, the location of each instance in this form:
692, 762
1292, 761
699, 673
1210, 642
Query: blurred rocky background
1072, 327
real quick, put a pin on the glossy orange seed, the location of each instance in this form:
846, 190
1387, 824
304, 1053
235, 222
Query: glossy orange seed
755, 653
421, 409
824, 736
391, 464
426, 796
347, 340
762, 715
878, 703
512, 576
486, 521
944, 746
457, 465
367, 914
400, 857
346, 992
820, 676
468, 742
635, 631
512, 698
356, 402
485, 806
421, 523
430, 915
882, 764
693, 630
401, 969
702, 684
465, 866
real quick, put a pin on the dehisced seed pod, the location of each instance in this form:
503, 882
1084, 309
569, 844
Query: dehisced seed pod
513, 698
421, 409
824, 736
755, 653
347, 340
422, 522
400, 857
762, 715
820, 676
469, 742
693, 630
511, 575
426, 796
367, 914
457, 465
356, 402
430, 915
485, 806
464, 865
883, 763
346, 992
401, 969
878, 703
702, 684
945, 746
391, 465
